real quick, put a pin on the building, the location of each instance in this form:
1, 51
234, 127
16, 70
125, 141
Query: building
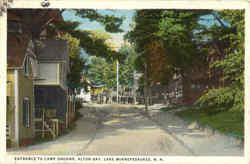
25, 66
51, 92
201, 78
22, 69
196, 82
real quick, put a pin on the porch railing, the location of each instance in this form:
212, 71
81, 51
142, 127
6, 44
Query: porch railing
7, 132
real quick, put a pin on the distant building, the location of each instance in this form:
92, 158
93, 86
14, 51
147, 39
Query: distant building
84, 96
200, 79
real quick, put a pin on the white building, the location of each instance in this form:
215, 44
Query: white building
84, 96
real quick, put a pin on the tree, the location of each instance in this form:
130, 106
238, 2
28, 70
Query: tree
88, 41
232, 95
77, 63
127, 65
185, 44
102, 72
160, 70
146, 25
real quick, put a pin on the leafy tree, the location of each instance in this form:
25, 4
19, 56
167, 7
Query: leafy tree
102, 72
160, 70
89, 41
76, 61
127, 66
232, 95
186, 43
146, 26
180, 31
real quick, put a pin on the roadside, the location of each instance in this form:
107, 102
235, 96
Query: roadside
68, 144
72, 126
203, 140
227, 122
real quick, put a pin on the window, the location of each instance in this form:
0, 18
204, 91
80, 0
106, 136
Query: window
8, 100
26, 67
14, 26
26, 112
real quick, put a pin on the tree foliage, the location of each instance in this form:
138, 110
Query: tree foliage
232, 95
159, 69
103, 71
89, 41
177, 30
76, 61
175, 41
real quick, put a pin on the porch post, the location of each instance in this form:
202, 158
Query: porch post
16, 108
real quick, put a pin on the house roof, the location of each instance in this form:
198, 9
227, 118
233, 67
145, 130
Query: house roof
16, 50
13, 17
53, 50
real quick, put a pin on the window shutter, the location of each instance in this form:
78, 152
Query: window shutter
26, 113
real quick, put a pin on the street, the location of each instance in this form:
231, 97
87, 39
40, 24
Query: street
126, 130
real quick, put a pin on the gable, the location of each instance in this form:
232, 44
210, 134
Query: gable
16, 50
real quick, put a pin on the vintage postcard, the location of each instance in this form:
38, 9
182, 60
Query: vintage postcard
124, 81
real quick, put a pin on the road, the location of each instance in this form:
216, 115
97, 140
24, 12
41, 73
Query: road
125, 130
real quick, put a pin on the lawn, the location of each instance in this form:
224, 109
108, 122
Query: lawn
227, 122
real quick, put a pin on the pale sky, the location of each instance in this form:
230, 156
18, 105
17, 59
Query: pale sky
87, 25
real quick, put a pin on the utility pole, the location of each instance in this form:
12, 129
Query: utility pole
117, 81
134, 87
146, 87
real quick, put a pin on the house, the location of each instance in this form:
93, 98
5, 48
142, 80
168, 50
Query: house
21, 71
171, 93
24, 34
201, 78
195, 82
52, 95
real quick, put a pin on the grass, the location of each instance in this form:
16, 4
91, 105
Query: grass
227, 122
171, 107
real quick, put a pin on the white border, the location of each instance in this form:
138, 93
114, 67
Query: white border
129, 4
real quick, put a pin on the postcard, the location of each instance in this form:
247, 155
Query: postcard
124, 81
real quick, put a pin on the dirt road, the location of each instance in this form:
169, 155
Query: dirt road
124, 130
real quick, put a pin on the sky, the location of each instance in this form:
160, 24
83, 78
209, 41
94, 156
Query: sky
87, 25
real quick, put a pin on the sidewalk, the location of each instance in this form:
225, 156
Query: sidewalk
69, 144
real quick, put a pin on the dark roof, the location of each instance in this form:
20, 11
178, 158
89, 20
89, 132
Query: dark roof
16, 50
53, 50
